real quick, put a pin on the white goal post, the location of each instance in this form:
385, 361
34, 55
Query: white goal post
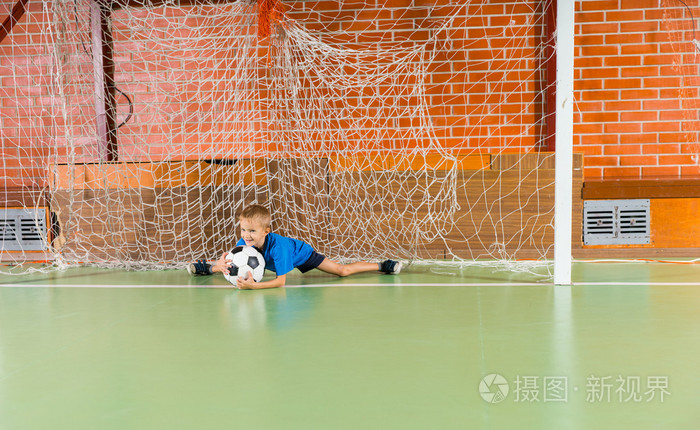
564, 142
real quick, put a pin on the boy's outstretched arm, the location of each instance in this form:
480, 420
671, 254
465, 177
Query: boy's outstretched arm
249, 284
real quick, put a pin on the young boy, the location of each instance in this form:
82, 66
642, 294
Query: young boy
283, 254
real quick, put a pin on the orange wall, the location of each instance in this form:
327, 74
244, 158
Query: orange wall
24, 96
636, 87
637, 78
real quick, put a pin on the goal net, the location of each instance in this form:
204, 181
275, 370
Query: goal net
408, 129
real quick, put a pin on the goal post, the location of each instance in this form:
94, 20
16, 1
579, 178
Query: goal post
564, 142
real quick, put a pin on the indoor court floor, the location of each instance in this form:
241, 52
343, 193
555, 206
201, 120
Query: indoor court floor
475, 348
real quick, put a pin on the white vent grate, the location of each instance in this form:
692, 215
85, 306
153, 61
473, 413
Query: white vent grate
616, 222
23, 229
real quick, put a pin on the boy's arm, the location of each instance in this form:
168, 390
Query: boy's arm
249, 284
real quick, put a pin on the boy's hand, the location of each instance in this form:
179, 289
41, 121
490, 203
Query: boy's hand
222, 265
246, 284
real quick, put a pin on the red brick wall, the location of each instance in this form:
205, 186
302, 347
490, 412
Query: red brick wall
636, 85
25, 127
481, 77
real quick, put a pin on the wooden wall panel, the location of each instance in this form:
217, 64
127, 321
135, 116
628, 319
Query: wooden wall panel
299, 197
151, 223
89, 176
675, 225
641, 189
683, 231
21, 197
409, 211
515, 213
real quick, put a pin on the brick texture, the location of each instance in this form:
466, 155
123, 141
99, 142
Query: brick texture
656, 130
636, 84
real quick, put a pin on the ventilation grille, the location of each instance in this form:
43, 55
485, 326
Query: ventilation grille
23, 229
616, 222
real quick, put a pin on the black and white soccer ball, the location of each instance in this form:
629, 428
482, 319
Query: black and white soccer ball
244, 260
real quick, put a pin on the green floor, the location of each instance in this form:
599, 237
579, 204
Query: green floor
617, 351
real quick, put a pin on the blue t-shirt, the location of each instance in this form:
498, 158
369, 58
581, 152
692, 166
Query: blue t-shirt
283, 254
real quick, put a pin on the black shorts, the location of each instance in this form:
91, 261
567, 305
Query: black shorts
312, 263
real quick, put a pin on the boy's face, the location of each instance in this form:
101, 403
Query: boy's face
253, 233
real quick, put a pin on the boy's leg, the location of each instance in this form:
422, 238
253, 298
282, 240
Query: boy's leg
334, 268
388, 266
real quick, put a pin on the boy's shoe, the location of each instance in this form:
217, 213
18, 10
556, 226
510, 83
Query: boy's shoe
199, 267
390, 267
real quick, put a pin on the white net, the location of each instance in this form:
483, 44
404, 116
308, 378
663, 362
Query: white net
410, 131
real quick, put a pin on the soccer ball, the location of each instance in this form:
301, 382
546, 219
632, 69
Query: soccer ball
244, 260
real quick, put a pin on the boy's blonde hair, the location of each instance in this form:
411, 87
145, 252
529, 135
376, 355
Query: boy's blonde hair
257, 213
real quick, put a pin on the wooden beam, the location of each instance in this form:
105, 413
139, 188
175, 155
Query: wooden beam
172, 174
103, 71
641, 189
15, 15
116, 4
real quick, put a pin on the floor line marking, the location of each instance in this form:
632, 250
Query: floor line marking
505, 284
21, 285
427, 284
623, 284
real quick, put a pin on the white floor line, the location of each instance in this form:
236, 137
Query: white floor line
505, 284
623, 284
21, 285
464, 284
426, 284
